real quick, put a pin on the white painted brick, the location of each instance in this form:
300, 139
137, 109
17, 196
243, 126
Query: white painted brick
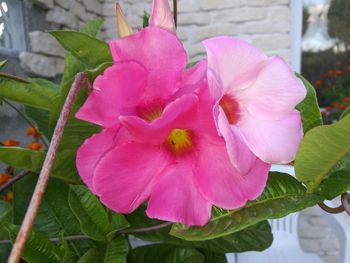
62, 17
210, 5
41, 65
241, 14
41, 42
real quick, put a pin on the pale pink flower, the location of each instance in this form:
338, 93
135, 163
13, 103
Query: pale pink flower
255, 99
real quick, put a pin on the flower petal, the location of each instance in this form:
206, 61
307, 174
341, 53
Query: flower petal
178, 114
242, 158
234, 61
176, 198
161, 52
275, 93
92, 151
110, 96
161, 15
222, 184
274, 142
124, 177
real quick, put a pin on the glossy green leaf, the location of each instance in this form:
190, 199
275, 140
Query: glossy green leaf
41, 118
118, 222
345, 113
161, 253
310, 111
254, 238
211, 257
64, 167
283, 195
3, 63
117, 251
92, 216
320, 151
336, 184
39, 93
6, 217
55, 216
22, 158
89, 50
38, 248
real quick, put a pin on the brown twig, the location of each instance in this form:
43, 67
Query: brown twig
40, 188
145, 229
345, 205
9, 76
13, 180
175, 12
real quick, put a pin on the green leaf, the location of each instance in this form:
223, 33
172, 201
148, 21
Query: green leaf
55, 216
117, 251
145, 19
213, 257
40, 117
64, 167
6, 213
39, 93
161, 253
345, 113
283, 195
89, 50
91, 214
336, 184
3, 63
118, 222
38, 247
310, 111
94, 255
320, 151
22, 158
254, 238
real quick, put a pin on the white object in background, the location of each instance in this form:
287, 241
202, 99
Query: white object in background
340, 223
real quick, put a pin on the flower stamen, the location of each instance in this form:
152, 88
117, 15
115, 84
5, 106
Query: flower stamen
179, 141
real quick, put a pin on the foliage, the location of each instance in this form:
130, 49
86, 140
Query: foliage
70, 209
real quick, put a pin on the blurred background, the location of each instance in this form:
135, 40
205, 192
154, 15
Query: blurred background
312, 35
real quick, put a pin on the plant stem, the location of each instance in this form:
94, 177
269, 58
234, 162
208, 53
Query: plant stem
41, 185
126, 231
9, 76
13, 180
31, 124
145, 229
175, 12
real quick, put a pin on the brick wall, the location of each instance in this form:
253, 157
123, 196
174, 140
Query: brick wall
265, 23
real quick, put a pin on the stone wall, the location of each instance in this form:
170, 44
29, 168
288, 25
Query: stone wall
265, 23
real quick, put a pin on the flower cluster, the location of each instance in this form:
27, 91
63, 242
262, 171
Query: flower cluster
186, 139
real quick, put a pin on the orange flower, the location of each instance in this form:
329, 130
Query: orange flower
31, 131
4, 178
10, 143
342, 107
348, 69
35, 146
318, 83
339, 73
338, 64
323, 113
9, 197
346, 99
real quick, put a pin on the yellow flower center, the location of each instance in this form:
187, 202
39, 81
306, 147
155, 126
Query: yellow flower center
179, 141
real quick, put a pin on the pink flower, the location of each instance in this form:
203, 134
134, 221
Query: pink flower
255, 101
159, 140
